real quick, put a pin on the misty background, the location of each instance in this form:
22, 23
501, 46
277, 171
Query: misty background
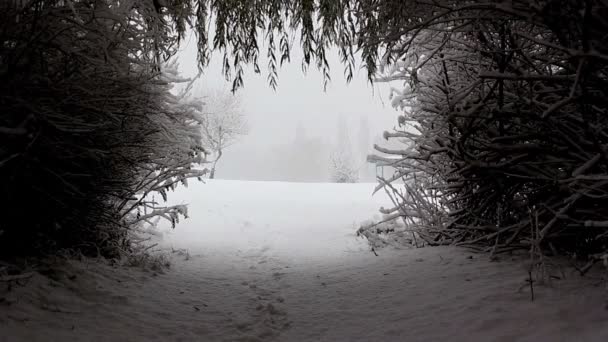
294, 130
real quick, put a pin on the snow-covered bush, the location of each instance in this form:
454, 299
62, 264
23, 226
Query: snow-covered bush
88, 127
502, 121
342, 167
389, 231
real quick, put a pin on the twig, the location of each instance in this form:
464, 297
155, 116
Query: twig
16, 277
531, 282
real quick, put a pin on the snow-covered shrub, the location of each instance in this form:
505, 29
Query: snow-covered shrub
342, 167
503, 123
88, 125
175, 148
389, 231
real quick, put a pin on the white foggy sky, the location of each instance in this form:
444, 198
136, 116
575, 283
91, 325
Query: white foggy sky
299, 99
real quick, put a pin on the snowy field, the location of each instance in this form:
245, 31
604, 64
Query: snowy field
291, 221
261, 261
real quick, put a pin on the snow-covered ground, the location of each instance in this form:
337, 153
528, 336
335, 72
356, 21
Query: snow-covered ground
280, 261
291, 221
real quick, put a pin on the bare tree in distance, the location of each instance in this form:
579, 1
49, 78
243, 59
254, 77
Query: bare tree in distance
342, 162
223, 124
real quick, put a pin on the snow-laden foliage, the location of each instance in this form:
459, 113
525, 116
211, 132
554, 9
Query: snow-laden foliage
89, 128
504, 124
390, 231
506, 101
342, 166
176, 148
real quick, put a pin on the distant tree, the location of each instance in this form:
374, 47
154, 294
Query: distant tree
300, 136
343, 166
304, 160
364, 147
222, 125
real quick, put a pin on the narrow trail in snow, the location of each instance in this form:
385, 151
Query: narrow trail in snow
267, 304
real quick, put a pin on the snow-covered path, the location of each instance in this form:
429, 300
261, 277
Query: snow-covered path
280, 261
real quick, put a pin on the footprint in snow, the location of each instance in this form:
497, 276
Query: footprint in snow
278, 275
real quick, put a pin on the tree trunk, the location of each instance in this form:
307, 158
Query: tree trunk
212, 173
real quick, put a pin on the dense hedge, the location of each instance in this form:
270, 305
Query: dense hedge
504, 125
87, 126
